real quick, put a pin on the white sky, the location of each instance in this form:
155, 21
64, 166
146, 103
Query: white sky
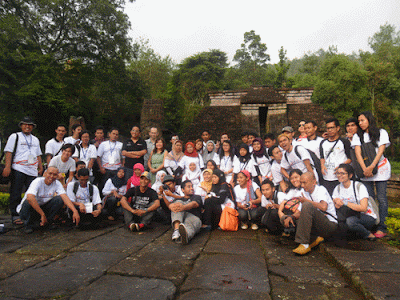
181, 28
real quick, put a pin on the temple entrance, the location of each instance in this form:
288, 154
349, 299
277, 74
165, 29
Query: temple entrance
262, 120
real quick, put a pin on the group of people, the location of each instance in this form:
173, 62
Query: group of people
306, 187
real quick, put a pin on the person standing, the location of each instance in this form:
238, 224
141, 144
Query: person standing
133, 150
86, 153
74, 138
23, 163
150, 144
53, 146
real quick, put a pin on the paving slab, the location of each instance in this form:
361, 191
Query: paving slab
228, 272
223, 295
11, 263
127, 288
244, 234
229, 245
122, 240
378, 285
163, 259
59, 278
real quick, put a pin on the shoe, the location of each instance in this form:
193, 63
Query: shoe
380, 234
317, 241
254, 226
244, 226
371, 238
134, 227
301, 250
28, 230
183, 233
176, 235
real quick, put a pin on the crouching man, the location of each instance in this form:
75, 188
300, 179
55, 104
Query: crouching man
318, 215
86, 199
185, 214
40, 205
139, 211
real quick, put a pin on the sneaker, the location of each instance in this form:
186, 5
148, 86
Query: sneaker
317, 241
183, 233
254, 226
176, 235
244, 226
301, 250
134, 227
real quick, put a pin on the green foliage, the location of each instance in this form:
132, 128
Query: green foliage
393, 225
282, 68
4, 201
252, 51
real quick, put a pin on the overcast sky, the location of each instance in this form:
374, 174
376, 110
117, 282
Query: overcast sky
181, 28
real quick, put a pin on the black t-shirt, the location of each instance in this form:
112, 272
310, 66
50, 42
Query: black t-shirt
130, 145
194, 211
142, 200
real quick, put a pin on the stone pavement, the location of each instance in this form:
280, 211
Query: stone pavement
114, 263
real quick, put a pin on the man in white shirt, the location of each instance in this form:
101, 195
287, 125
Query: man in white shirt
23, 163
53, 146
40, 205
86, 198
318, 215
313, 141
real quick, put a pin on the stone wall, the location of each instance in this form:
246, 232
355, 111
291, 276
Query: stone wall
298, 112
227, 98
152, 116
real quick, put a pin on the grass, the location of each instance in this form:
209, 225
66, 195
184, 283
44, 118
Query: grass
395, 167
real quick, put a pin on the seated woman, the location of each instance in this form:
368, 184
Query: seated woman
192, 174
113, 191
248, 198
221, 195
138, 170
65, 164
290, 206
351, 199
159, 181
190, 156
205, 185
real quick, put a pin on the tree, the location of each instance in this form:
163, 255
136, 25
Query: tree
282, 68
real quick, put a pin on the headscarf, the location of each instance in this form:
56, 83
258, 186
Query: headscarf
156, 185
250, 191
204, 184
118, 182
194, 153
135, 180
207, 155
221, 175
192, 175
172, 155
261, 152
246, 158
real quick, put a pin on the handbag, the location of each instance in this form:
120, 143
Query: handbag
368, 153
291, 206
229, 219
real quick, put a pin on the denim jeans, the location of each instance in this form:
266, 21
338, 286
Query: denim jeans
50, 208
361, 225
19, 180
382, 198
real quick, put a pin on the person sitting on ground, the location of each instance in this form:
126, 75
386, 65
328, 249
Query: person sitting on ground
351, 200
113, 191
134, 180
78, 165
205, 185
169, 191
159, 180
186, 214
267, 213
139, 212
40, 205
220, 196
193, 174
318, 215
86, 199
65, 164
248, 198
290, 205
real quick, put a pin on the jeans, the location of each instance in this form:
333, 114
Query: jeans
191, 222
382, 198
248, 215
19, 180
361, 225
50, 208
145, 219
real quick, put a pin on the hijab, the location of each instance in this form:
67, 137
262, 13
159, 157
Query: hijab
261, 152
194, 153
246, 158
156, 185
172, 155
192, 175
221, 175
135, 180
208, 155
204, 184
118, 182
250, 195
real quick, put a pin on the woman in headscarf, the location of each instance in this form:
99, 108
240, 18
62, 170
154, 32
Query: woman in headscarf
159, 180
193, 174
221, 195
205, 185
173, 158
190, 156
244, 162
248, 198
261, 161
209, 151
138, 169
113, 190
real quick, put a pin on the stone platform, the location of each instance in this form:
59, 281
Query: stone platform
114, 263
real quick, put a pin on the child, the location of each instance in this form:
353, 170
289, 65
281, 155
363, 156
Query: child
193, 174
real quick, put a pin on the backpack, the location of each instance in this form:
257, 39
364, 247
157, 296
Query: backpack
6, 180
229, 219
76, 186
315, 163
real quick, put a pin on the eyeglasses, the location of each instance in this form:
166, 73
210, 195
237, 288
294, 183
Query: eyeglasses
341, 173
301, 124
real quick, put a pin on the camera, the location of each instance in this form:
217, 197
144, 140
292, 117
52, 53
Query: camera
165, 187
290, 230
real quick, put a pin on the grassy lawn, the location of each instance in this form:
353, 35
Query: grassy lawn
395, 167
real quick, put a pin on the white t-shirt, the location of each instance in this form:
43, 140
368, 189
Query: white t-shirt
241, 193
171, 163
42, 192
239, 166
82, 194
63, 167
26, 155
187, 160
319, 194
347, 195
263, 164
53, 147
313, 145
265, 201
71, 140
277, 176
295, 162
178, 192
109, 187
384, 168
226, 164
338, 155
110, 154
86, 154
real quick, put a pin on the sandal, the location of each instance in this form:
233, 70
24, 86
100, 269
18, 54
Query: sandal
17, 221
